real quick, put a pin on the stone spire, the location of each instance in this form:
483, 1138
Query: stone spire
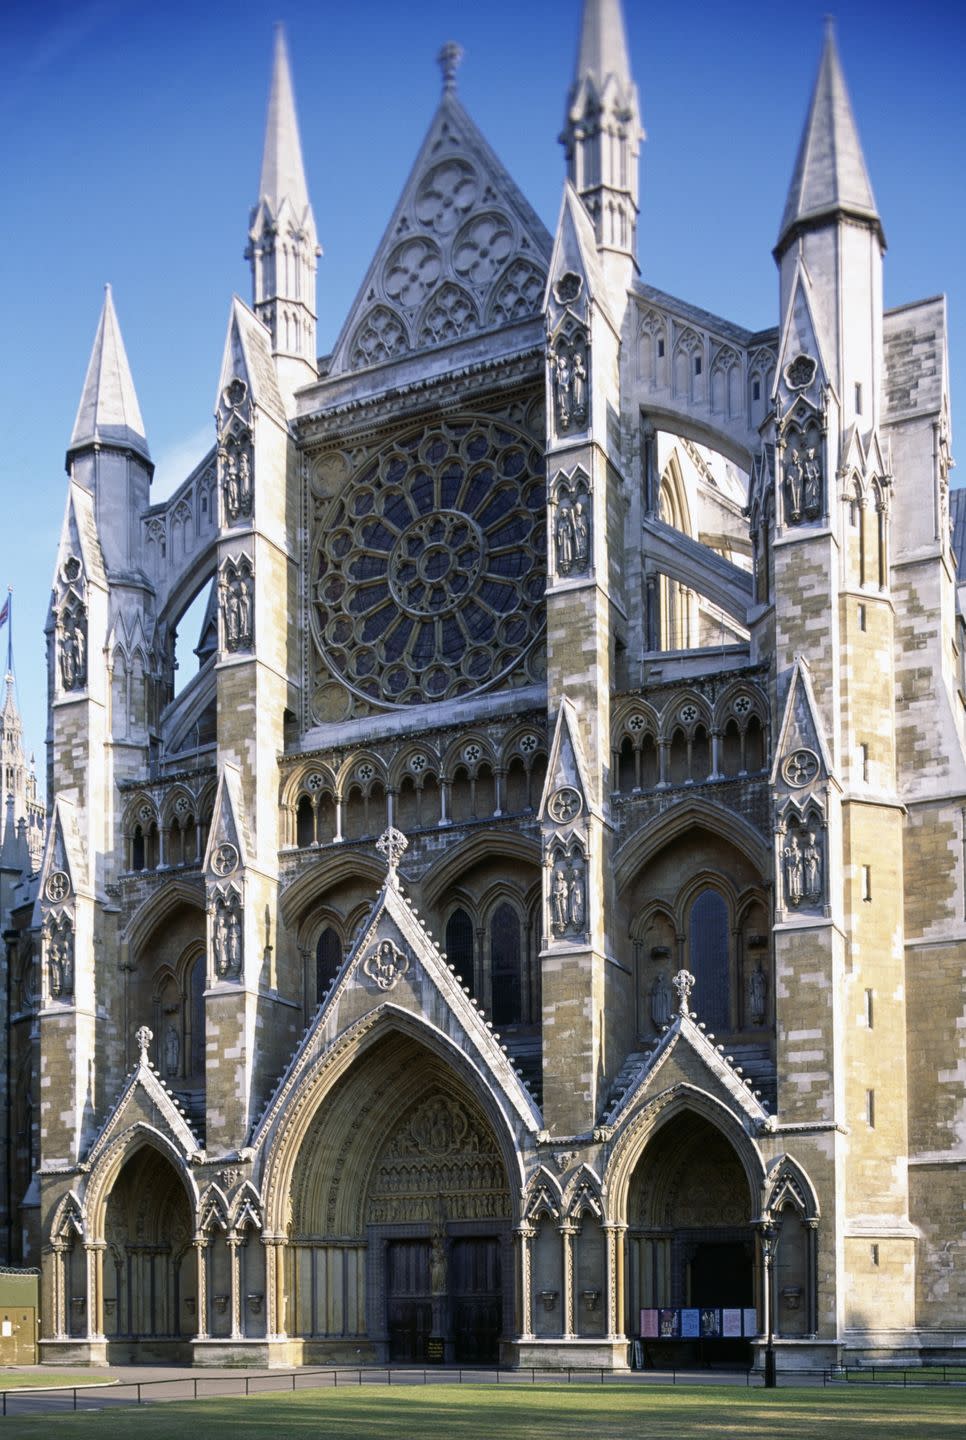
283, 248
602, 132
109, 413
830, 178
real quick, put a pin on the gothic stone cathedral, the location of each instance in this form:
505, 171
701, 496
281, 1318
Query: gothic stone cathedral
538, 923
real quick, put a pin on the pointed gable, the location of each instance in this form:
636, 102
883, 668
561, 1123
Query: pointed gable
109, 413
566, 769
463, 252
574, 255
248, 357
229, 828
686, 1058
802, 755
830, 177
800, 339
63, 869
146, 1102
396, 972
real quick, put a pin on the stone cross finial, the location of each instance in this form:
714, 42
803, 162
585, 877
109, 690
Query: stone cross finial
683, 983
448, 60
144, 1037
393, 844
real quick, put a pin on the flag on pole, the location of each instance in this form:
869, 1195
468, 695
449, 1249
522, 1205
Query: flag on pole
5, 611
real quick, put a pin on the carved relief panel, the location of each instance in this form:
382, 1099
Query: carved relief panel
237, 605
572, 525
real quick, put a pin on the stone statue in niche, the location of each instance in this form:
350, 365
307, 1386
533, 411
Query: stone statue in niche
172, 1050
569, 367
437, 1264
227, 940
236, 470
803, 479
576, 903
812, 859
236, 600
662, 1004
811, 484
757, 992
73, 650
794, 863
568, 899
572, 533
60, 960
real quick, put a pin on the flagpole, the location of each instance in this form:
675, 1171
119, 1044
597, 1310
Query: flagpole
10, 630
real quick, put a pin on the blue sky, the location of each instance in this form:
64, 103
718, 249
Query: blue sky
132, 143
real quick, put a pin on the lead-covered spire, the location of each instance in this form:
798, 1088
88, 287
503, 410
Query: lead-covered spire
602, 133
109, 413
283, 247
830, 178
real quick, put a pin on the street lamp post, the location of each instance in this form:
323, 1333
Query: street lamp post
770, 1236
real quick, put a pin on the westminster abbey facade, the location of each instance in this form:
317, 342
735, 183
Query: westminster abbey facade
537, 924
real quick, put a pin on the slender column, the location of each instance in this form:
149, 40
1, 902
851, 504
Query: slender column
444, 801
236, 1310
499, 777
525, 1234
338, 819
715, 755
811, 1274
567, 1233
94, 1253
614, 1279
663, 750
60, 1288
201, 1302
274, 1285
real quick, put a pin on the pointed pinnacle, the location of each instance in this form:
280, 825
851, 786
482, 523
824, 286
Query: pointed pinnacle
283, 174
830, 176
603, 45
109, 413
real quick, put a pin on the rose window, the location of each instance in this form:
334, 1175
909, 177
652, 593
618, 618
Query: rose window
429, 571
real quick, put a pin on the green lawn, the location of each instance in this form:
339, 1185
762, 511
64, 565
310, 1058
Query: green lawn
564, 1412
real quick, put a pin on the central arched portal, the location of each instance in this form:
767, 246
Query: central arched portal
400, 1216
691, 1242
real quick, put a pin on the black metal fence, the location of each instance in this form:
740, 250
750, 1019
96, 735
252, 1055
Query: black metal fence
226, 1384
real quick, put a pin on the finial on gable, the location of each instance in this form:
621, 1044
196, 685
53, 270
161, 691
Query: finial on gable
448, 60
392, 844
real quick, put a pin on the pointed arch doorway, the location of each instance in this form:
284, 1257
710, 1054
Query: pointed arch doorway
691, 1241
401, 1216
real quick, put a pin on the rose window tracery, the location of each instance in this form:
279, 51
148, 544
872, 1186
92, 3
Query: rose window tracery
430, 568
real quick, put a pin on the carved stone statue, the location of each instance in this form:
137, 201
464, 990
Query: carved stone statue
581, 524
227, 940
811, 484
231, 486
578, 386
561, 388
793, 480
757, 989
559, 901
812, 856
60, 961
577, 898
244, 483
73, 651
566, 541
437, 1265
172, 1050
794, 871
662, 1004
237, 593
